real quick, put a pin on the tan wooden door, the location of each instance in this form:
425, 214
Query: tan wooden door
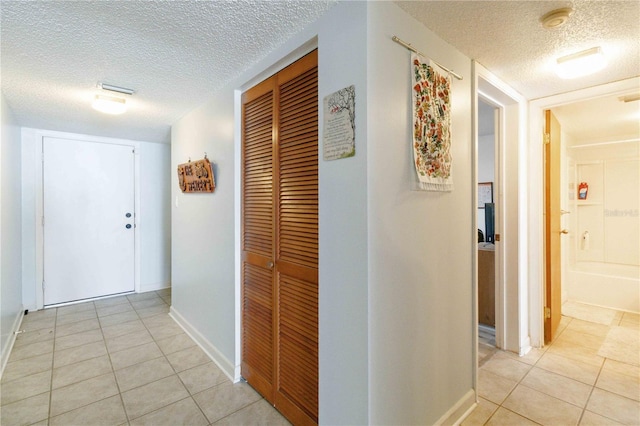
553, 232
280, 240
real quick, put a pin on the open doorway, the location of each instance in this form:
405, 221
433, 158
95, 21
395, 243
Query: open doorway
599, 202
488, 116
596, 143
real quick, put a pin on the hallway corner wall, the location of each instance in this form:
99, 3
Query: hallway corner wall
420, 243
206, 227
10, 231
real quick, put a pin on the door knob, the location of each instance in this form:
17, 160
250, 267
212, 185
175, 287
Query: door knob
128, 226
564, 231
128, 215
270, 264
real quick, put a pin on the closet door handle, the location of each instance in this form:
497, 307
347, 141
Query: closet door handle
270, 264
564, 231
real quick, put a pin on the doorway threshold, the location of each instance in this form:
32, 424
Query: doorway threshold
91, 299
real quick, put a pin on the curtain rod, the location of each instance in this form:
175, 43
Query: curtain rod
413, 49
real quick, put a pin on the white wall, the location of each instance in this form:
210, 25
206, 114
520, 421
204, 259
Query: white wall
420, 243
10, 219
486, 170
606, 270
202, 229
345, 388
154, 216
153, 237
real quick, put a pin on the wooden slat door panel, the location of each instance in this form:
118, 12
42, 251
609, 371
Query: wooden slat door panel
258, 239
280, 240
297, 244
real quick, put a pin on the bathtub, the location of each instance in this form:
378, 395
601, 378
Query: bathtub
608, 285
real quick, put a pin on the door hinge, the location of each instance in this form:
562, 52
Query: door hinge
42, 220
547, 138
547, 312
42, 285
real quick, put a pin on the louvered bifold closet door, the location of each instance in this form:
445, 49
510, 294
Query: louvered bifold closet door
297, 242
280, 240
258, 239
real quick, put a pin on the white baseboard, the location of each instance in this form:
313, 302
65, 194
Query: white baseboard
525, 346
154, 286
456, 414
212, 352
6, 351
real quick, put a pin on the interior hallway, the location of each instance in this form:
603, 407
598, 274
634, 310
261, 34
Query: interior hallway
120, 361
590, 375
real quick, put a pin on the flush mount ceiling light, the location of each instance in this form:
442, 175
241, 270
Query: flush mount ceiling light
581, 63
118, 89
630, 98
556, 18
109, 104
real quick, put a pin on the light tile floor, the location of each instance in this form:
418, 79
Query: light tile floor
119, 361
590, 375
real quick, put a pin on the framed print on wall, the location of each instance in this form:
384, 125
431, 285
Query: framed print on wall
485, 193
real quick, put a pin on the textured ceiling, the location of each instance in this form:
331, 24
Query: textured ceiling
601, 119
508, 39
174, 54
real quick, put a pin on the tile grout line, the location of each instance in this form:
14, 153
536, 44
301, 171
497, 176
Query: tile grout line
155, 341
53, 359
519, 382
108, 354
115, 377
534, 365
175, 372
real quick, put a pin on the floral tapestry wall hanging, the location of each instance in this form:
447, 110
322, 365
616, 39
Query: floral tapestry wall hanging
431, 126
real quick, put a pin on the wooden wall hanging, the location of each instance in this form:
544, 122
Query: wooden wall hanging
196, 176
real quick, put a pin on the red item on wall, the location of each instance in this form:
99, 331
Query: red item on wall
583, 189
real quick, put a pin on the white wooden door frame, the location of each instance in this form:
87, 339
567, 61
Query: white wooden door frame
39, 234
490, 88
499, 211
536, 192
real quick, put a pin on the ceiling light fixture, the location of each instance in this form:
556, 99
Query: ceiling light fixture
581, 63
630, 98
556, 18
113, 88
109, 104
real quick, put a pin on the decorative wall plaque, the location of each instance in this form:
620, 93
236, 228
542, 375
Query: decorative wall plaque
196, 176
340, 124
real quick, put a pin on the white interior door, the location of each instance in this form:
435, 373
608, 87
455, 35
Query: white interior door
88, 191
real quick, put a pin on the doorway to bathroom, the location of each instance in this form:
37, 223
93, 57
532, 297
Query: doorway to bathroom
599, 222
589, 275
